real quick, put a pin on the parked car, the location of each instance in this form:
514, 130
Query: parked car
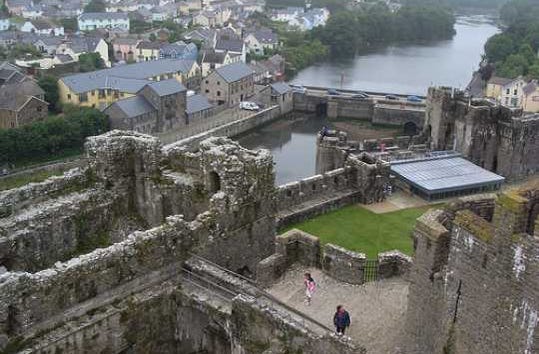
391, 97
360, 95
298, 88
333, 92
249, 106
413, 99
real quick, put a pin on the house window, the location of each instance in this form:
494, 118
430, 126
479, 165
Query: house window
69, 96
218, 93
207, 82
218, 83
508, 91
515, 92
93, 93
83, 97
39, 108
207, 91
101, 94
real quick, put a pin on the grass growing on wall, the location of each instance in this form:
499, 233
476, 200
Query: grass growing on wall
358, 229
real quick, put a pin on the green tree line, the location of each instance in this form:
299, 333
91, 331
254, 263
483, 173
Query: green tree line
349, 32
514, 51
52, 137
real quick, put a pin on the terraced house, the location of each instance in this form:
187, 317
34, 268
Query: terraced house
101, 88
90, 21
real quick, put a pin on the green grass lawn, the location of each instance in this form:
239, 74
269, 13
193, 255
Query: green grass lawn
358, 229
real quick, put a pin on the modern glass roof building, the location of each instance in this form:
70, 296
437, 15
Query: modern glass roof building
444, 175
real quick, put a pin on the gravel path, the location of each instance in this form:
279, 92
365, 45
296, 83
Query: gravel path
377, 309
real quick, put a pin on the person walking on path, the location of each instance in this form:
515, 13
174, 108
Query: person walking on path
310, 287
341, 320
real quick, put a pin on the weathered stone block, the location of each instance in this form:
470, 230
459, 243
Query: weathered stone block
343, 264
393, 264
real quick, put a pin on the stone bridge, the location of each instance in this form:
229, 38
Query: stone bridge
377, 109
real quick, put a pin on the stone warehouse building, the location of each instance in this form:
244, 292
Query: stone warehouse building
101, 88
22, 101
229, 84
157, 107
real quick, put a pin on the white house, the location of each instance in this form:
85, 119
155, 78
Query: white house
42, 26
212, 17
4, 24
260, 40
508, 92
76, 46
90, 21
32, 12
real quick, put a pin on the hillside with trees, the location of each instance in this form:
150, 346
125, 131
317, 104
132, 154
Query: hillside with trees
514, 51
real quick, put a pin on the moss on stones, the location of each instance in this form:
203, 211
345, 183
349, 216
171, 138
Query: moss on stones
476, 225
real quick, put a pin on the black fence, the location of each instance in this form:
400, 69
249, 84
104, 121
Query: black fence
370, 270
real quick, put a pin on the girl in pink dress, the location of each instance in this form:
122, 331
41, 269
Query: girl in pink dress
310, 287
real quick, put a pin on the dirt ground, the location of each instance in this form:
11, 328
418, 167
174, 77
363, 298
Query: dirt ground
377, 309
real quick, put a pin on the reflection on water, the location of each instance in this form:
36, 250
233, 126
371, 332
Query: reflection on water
410, 69
292, 143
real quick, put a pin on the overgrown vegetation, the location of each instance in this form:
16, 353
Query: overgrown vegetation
514, 51
49, 84
95, 6
358, 229
90, 62
55, 137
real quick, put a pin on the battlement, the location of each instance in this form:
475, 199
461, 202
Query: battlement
478, 257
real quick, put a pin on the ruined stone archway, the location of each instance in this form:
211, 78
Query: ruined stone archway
322, 109
214, 182
410, 128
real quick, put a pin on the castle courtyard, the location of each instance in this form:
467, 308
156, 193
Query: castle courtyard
377, 309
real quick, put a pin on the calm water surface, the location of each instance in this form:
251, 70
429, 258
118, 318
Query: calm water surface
399, 69
410, 69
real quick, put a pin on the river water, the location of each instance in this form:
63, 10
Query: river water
407, 69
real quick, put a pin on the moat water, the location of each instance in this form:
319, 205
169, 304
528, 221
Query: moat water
407, 69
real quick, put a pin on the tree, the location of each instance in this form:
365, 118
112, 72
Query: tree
95, 6
533, 71
514, 66
498, 47
49, 84
69, 24
90, 62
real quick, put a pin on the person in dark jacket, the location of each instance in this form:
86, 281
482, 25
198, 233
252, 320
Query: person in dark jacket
341, 320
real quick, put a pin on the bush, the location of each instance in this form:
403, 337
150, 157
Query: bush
52, 137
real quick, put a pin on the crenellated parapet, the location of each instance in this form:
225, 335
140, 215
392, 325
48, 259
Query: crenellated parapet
477, 259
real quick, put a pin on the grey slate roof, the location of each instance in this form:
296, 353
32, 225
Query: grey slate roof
197, 103
103, 16
85, 82
281, 87
502, 81
265, 36
232, 45
234, 72
167, 87
13, 96
134, 106
444, 174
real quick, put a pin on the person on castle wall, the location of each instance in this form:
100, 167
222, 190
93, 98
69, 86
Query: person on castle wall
310, 287
323, 131
341, 319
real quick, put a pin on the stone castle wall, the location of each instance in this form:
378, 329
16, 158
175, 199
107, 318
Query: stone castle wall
296, 246
492, 136
474, 277
230, 209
